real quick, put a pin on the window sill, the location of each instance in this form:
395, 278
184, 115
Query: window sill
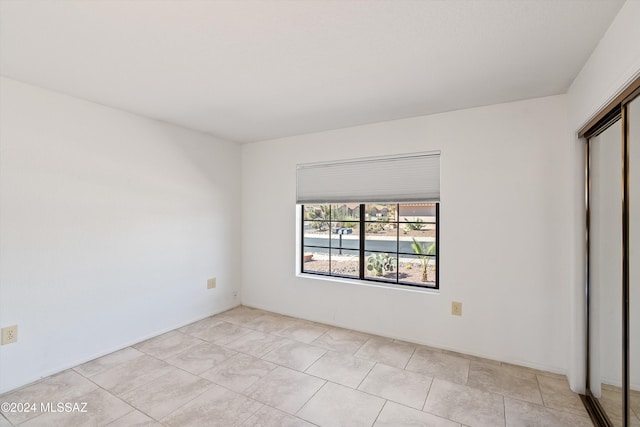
402, 288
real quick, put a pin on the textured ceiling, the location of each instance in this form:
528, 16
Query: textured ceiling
254, 70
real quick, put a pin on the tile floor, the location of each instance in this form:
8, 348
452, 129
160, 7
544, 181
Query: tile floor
248, 367
611, 401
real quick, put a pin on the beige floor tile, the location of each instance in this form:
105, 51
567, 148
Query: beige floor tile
472, 358
505, 380
434, 349
163, 395
635, 402
221, 333
342, 340
395, 415
135, 419
519, 413
241, 315
200, 358
256, 343
177, 390
336, 405
465, 405
611, 392
132, 374
303, 331
285, 389
216, 407
270, 323
101, 408
65, 386
386, 351
238, 372
398, 385
166, 345
200, 326
611, 401
536, 371
613, 408
341, 368
104, 407
440, 365
295, 355
270, 417
556, 394
107, 362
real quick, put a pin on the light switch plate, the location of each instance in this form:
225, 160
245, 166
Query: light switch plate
211, 283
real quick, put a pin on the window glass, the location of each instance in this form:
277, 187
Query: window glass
388, 242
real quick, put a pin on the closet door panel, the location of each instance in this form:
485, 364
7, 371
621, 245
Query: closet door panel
606, 271
633, 141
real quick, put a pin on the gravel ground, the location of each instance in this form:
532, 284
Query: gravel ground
408, 272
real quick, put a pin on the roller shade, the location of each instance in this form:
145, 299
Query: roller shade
401, 178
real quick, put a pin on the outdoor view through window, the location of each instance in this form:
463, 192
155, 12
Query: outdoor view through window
387, 242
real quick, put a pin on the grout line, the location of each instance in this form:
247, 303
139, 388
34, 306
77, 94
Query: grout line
540, 390
380, 397
548, 408
424, 404
314, 362
361, 345
211, 383
365, 377
379, 412
134, 408
504, 411
251, 414
6, 419
312, 396
409, 359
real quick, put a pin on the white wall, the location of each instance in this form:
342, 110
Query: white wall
110, 225
611, 67
614, 63
505, 246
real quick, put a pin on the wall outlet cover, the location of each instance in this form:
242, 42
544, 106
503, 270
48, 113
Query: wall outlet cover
456, 308
211, 283
9, 334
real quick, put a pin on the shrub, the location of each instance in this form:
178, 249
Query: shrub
379, 264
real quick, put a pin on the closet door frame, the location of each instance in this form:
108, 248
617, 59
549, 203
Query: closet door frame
616, 110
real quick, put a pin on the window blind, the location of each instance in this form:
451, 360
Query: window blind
401, 178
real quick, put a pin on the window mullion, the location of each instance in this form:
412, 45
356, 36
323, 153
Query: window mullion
330, 243
437, 245
362, 236
398, 243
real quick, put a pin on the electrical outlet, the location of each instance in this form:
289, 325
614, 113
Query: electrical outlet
456, 308
9, 334
211, 283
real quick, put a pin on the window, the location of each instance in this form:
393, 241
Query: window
349, 229
382, 242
